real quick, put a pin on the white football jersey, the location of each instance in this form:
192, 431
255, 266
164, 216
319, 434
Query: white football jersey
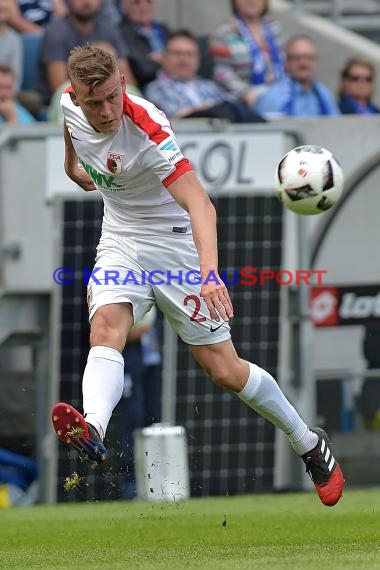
132, 167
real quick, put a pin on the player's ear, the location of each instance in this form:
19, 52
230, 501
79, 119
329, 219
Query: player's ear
123, 82
74, 99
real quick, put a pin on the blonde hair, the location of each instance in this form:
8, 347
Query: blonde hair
90, 65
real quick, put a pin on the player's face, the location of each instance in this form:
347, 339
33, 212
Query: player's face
103, 107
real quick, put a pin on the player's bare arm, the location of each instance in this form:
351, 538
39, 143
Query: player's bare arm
189, 193
72, 166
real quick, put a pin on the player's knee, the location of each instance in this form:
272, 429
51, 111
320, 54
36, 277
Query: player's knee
230, 374
223, 365
225, 378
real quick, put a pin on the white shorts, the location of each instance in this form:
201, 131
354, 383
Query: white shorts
159, 270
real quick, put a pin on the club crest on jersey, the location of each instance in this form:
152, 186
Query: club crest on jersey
115, 162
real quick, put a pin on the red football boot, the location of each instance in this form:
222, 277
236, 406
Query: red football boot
71, 428
324, 470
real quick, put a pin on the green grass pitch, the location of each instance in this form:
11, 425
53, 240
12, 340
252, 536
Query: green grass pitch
251, 532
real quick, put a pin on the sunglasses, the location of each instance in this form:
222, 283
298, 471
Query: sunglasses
360, 78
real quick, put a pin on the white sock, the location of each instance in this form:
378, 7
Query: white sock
102, 386
262, 394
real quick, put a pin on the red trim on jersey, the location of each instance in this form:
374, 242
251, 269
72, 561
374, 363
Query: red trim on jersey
154, 130
181, 167
142, 119
69, 89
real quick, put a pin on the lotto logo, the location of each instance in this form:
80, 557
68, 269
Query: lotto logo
324, 308
360, 306
342, 306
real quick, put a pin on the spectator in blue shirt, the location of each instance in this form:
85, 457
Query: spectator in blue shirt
11, 112
180, 92
298, 93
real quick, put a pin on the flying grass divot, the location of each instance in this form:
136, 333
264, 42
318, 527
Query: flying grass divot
75, 432
72, 482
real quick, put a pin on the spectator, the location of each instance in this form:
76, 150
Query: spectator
30, 16
10, 47
10, 110
246, 51
179, 92
82, 25
140, 405
144, 37
298, 93
357, 88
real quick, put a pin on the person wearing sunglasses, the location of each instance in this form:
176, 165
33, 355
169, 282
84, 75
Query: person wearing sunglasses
357, 88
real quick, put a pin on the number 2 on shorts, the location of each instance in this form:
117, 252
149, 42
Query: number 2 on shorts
196, 300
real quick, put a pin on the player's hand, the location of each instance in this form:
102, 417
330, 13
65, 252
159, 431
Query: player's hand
217, 300
80, 177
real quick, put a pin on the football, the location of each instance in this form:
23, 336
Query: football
309, 180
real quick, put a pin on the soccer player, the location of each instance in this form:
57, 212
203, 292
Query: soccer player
157, 221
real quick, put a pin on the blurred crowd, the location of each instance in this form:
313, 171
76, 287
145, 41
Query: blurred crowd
246, 70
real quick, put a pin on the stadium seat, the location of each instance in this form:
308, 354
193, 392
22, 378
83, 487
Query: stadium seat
31, 46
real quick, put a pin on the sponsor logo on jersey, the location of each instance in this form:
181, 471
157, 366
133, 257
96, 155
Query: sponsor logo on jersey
170, 149
169, 145
100, 179
115, 162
